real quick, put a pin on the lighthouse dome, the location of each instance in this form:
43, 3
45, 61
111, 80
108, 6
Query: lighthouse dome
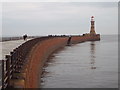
92, 17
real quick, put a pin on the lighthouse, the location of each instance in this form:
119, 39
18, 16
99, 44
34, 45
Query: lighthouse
92, 29
92, 36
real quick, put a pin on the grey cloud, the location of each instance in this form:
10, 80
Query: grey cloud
58, 18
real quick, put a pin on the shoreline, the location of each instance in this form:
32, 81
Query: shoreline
40, 57
49, 60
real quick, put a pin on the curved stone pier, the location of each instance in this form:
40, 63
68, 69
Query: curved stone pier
27, 61
41, 52
38, 57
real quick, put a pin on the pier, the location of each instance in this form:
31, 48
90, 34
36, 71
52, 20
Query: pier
23, 67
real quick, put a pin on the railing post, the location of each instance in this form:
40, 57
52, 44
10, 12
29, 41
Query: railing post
11, 53
8, 67
12, 62
3, 73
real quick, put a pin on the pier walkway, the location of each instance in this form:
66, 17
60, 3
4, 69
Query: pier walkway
8, 46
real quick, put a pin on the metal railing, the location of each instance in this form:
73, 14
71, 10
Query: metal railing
15, 62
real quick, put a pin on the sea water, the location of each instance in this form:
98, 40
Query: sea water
92, 64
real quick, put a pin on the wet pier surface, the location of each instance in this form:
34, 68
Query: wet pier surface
84, 65
8, 46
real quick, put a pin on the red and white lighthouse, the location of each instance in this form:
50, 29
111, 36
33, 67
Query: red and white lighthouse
92, 30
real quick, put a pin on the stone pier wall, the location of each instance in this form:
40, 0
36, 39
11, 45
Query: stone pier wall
42, 51
38, 57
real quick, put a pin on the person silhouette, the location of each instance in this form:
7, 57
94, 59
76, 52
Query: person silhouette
25, 37
69, 40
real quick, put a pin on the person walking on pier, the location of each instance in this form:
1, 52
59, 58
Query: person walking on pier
25, 37
69, 40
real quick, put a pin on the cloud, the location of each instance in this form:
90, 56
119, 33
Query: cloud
66, 18
47, 10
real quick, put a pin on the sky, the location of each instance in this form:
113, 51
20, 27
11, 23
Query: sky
70, 18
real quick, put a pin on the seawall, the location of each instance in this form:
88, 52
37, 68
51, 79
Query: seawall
38, 57
37, 54
41, 52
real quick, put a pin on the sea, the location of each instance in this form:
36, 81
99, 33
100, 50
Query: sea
92, 64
